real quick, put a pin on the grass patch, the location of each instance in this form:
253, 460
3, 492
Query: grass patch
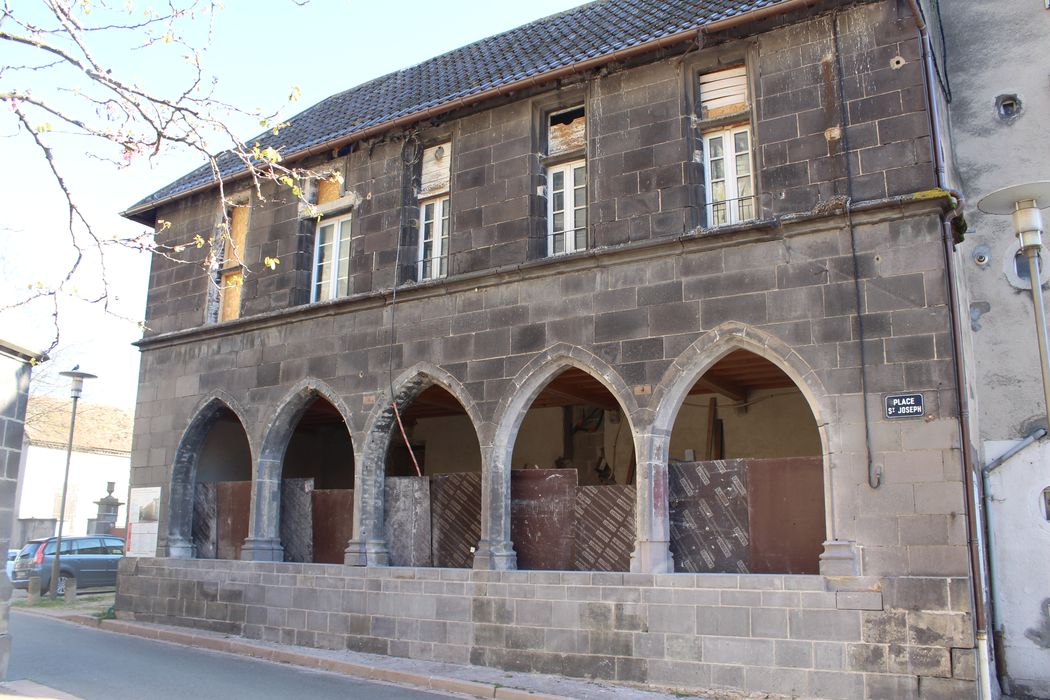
49, 602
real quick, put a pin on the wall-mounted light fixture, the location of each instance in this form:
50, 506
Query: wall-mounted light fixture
1024, 202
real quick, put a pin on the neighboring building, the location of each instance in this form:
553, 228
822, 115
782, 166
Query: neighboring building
998, 69
686, 258
16, 368
101, 454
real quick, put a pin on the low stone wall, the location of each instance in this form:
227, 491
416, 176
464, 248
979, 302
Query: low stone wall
814, 636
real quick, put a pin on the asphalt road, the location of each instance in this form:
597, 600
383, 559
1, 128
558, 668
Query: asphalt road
97, 665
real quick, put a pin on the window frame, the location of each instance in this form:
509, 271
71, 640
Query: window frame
336, 222
567, 168
734, 203
441, 238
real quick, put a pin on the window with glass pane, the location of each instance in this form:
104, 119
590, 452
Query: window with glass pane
728, 176
332, 260
433, 238
567, 208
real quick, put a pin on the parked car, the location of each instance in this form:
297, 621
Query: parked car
11, 554
91, 560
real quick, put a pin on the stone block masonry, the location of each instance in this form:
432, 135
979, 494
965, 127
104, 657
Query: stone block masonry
814, 636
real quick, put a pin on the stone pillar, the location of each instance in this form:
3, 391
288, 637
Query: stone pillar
652, 552
179, 542
368, 546
15, 372
264, 526
495, 550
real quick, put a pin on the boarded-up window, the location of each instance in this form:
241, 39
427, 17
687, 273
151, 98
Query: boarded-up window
233, 250
434, 178
723, 93
567, 131
230, 282
329, 190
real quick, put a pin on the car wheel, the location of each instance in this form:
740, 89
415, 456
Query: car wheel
60, 587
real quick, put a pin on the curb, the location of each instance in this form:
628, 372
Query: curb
478, 689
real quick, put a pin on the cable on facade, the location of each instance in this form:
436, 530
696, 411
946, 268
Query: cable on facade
874, 471
413, 142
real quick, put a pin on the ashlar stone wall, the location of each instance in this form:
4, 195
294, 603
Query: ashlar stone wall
891, 638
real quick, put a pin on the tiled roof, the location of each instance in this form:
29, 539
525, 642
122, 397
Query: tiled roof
99, 428
596, 29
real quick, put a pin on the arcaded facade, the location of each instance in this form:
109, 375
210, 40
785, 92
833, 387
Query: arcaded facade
587, 378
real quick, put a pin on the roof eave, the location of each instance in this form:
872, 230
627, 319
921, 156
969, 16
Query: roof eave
144, 214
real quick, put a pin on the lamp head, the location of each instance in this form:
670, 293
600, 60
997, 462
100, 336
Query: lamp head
1023, 203
76, 387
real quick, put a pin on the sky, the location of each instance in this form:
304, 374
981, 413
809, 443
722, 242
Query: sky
258, 52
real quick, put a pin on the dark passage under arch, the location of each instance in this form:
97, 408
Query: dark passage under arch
317, 481
746, 476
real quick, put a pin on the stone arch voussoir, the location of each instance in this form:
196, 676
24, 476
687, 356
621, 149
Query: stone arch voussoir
283, 421
701, 355
187, 456
534, 376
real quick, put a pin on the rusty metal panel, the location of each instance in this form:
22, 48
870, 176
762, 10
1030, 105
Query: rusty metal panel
455, 517
786, 504
542, 517
332, 512
407, 523
205, 530
297, 528
709, 516
233, 500
604, 528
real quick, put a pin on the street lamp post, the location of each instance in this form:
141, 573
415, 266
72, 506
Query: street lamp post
75, 390
1023, 202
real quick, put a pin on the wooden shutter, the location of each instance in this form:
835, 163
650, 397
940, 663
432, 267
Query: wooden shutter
328, 190
723, 92
234, 248
435, 176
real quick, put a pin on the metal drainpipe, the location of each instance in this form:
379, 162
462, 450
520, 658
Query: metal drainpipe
973, 527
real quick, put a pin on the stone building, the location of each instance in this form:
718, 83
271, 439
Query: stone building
624, 358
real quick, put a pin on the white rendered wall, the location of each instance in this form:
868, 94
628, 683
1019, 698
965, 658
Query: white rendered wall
88, 474
1020, 552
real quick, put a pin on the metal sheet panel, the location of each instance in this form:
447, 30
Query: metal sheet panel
233, 501
332, 524
407, 523
542, 517
604, 528
455, 516
709, 516
786, 505
297, 529
205, 527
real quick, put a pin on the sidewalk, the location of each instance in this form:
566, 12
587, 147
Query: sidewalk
473, 681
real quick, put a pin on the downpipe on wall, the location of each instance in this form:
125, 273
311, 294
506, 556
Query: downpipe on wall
976, 560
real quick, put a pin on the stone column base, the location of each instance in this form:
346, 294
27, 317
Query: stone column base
366, 553
652, 557
495, 556
179, 549
262, 549
840, 558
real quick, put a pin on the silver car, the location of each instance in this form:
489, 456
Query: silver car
91, 560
